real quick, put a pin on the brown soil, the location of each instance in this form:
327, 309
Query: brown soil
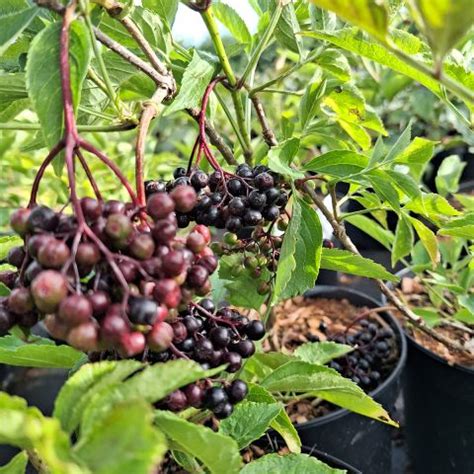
411, 290
300, 320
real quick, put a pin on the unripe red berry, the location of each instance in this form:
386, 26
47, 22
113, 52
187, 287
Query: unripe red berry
113, 326
42, 218
142, 246
37, 241
53, 254
88, 254
49, 288
167, 292
197, 276
19, 221
100, 301
20, 301
196, 242
160, 337
173, 263
15, 256
56, 328
91, 208
159, 205
164, 231
114, 207
204, 231
184, 197
75, 310
119, 228
209, 262
131, 344
84, 337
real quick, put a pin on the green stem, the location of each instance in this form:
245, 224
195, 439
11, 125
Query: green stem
82, 128
453, 86
96, 113
263, 43
100, 62
285, 74
209, 20
361, 211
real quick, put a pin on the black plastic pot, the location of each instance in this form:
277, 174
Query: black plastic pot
439, 412
361, 441
39, 387
330, 460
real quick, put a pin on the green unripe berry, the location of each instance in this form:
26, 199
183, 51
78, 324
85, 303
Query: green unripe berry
230, 238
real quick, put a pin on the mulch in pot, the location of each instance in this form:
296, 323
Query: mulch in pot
300, 320
412, 291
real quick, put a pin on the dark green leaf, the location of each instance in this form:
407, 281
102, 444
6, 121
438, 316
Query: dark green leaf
338, 163
321, 352
238, 425
310, 102
405, 183
167, 9
288, 464
372, 228
336, 64
39, 353
286, 29
347, 262
42, 70
403, 141
384, 188
298, 266
196, 78
12, 25
219, 453
125, 441
460, 227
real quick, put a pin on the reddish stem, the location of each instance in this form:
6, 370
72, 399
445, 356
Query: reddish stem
89, 174
91, 149
39, 175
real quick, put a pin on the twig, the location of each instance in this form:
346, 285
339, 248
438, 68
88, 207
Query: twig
36, 461
89, 174
267, 132
150, 110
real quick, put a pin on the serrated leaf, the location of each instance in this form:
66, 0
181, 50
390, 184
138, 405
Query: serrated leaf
403, 240
237, 425
370, 15
338, 163
166, 9
427, 237
196, 78
350, 40
152, 384
7, 242
384, 188
321, 352
286, 29
444, 22
432, 206
125, 441
280, 158
325, 383
12, 25
372, 228
461, 227
399, 146
233, 22
281, 423
81, 387
288, 464
336, 64
356, 132
298, 266
405, 183
217, 452
347, 262
40, 353
42, 70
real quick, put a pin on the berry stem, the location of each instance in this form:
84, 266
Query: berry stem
89, 174
39, 174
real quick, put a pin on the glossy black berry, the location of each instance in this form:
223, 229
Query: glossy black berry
237, 206
257, 200
179, 172
272, 195
142, 310
199, 180
253, 217
264, 181
208, 305
42, 218
233, 224
220, 337
234, 361
235, 186
215, 396
203, 349
223, 410
237, 391
271, 213
255, 330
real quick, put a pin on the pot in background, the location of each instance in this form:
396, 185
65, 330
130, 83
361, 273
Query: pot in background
362, 442
439, 412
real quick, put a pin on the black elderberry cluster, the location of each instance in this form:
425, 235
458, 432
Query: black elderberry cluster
110, 287
248, 198
372, 360
212, 337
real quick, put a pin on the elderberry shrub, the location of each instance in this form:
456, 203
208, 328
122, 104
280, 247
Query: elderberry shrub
109, 288
212, 337
374, 355
246, 199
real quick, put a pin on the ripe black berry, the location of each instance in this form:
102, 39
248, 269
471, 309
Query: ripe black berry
199, 180
42, 218
177, 401
252, 217
257, 200
255, 330
223, 410
271, 213
194, 395
234, 360
235, 186
16, 255
220, 337
244, 347
264, 180
142, 310
214, 396
237, 391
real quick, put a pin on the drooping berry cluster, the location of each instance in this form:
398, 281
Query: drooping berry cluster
371, 361
107, 284
212, 338
250, 197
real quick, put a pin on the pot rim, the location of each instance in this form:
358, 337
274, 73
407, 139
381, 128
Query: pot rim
414, 343
325, 292
329, 459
